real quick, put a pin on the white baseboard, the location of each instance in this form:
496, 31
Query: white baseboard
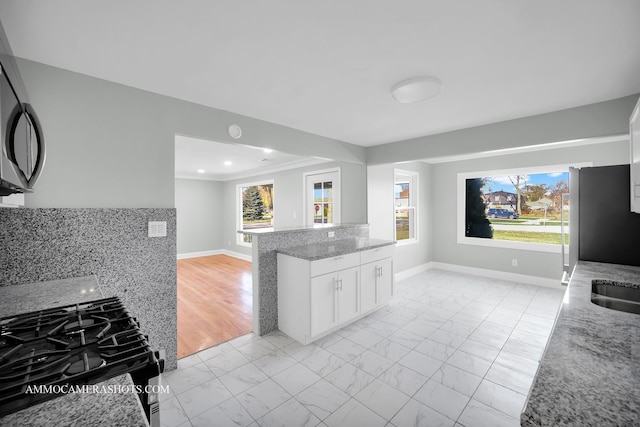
214, 252
412, 271
483, 272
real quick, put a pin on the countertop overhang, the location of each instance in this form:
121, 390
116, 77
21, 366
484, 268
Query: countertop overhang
336, 248
590, 371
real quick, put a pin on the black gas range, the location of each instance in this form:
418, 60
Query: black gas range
74, 345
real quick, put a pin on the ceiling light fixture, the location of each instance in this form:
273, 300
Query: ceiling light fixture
416, 89
228, 163
268, 150
235, 131
200, 170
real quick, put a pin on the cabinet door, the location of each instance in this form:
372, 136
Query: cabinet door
384, 280
349, 294
368, 273
324, 303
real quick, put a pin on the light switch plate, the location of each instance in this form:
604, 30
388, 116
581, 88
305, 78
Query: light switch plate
157, 228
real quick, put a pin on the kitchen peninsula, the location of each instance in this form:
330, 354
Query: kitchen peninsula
265, 246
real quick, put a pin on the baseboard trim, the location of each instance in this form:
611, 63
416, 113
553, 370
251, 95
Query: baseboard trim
493, 274
413, 271
214, 252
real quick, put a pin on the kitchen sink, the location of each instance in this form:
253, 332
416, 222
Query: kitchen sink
616, 295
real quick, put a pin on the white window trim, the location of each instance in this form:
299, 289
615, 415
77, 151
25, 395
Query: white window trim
306, 207
413, 177
239, 187
460, 226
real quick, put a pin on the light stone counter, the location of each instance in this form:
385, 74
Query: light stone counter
74, 409
590, 372
336, 248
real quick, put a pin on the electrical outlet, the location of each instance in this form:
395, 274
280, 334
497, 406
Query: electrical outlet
514, 262
294, 214
157, 228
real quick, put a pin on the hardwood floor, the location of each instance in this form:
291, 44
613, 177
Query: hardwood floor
214, 301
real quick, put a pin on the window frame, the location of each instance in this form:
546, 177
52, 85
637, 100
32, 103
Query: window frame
412, 177
509, 244
239, 224
308, 199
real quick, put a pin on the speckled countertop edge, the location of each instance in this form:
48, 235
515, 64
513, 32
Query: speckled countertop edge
590, 371
299, 228
336, 248
86, 409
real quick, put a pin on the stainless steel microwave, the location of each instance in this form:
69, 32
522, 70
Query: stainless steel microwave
23, 154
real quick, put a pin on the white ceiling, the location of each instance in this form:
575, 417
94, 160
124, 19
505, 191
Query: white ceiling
326, 67
193, 154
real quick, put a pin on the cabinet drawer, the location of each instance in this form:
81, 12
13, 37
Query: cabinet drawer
377, 254
330, 265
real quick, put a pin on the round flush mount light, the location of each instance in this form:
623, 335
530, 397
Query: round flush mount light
416, 89
200, 170
267, 150
235, 131
228, 163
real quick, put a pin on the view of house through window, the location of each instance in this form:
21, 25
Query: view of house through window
520, 207
322, 197
405, 202
255, 208
323, 202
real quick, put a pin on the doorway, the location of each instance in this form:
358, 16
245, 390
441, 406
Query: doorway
322, 197
215, 302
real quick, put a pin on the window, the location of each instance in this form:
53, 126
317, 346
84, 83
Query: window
406, 206
516, 208
322, 197
255, 209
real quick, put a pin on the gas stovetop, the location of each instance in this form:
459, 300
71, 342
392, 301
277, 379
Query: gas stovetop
72, 345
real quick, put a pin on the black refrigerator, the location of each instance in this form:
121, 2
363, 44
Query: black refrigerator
602, 226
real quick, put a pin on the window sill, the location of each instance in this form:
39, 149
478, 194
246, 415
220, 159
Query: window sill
406, 242
508, 244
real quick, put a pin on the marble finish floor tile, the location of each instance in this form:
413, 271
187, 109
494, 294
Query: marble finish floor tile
449, 350
354, 414
417, 414
382, 399
263, 398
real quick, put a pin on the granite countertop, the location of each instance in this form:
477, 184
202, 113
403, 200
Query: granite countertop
297, 228
590, 371
336, 248
86, 409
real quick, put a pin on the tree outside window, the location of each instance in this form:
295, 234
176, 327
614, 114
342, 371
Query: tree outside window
255, 208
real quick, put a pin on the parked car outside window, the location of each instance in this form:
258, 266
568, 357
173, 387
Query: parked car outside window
502, 213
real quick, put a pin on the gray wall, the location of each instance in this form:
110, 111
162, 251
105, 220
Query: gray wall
109, 145
444, 191
199, 215
594, 120
288, 198
380, 199
206, 210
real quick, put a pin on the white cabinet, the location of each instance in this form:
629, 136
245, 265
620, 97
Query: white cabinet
321, 296
334, 299
634, 135
377, 277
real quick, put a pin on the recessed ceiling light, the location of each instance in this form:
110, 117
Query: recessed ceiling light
268, 150
228, 163
416, 89
200, 170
